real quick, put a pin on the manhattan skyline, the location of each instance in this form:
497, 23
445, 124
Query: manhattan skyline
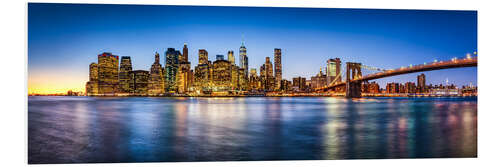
64, 38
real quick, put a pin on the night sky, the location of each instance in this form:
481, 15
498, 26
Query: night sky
63, 39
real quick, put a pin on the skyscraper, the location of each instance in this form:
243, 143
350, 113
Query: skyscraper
277, 67
185, 57
244, 59
156, 85
421, 83
202, 56
269, 81
108, 73
139, 82
171, 68
222, 75
124, 74
333, 70
230, 56
91, 88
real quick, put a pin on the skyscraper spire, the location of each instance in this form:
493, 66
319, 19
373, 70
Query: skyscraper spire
242, 39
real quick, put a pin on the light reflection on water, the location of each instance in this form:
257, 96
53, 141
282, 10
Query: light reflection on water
142, 129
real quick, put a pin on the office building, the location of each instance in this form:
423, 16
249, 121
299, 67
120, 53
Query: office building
139, 81
333, 71
107, 74
156, 85
277, 67
230, 57
244, 59
171, 69
124, 74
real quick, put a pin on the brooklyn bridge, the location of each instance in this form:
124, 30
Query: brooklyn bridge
353, 75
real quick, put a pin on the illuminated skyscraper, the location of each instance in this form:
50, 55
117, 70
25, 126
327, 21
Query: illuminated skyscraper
333, 70
156, 85
242, 79
421, 88
254, 81
319, 80
202, 77
139, 82
185, 57
124, 74
203, 56
171, 68
230, 56
277, 67
234, 76
91, 88
184, 77
222, 75
244, 59
269, 81
107, 74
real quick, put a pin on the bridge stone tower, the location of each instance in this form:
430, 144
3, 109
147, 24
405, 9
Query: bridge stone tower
353, 88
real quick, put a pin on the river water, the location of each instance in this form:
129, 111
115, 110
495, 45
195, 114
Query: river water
160, 129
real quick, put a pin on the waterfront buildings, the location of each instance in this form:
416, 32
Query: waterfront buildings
370, 87
299, 84
224, 77
392, 87
410, 87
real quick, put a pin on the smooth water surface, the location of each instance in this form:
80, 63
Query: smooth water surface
149, 129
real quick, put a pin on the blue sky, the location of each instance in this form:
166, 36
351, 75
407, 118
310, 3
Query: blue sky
63, 39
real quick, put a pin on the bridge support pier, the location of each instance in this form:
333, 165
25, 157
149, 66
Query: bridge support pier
353, 88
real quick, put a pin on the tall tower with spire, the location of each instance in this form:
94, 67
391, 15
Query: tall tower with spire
243, 57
